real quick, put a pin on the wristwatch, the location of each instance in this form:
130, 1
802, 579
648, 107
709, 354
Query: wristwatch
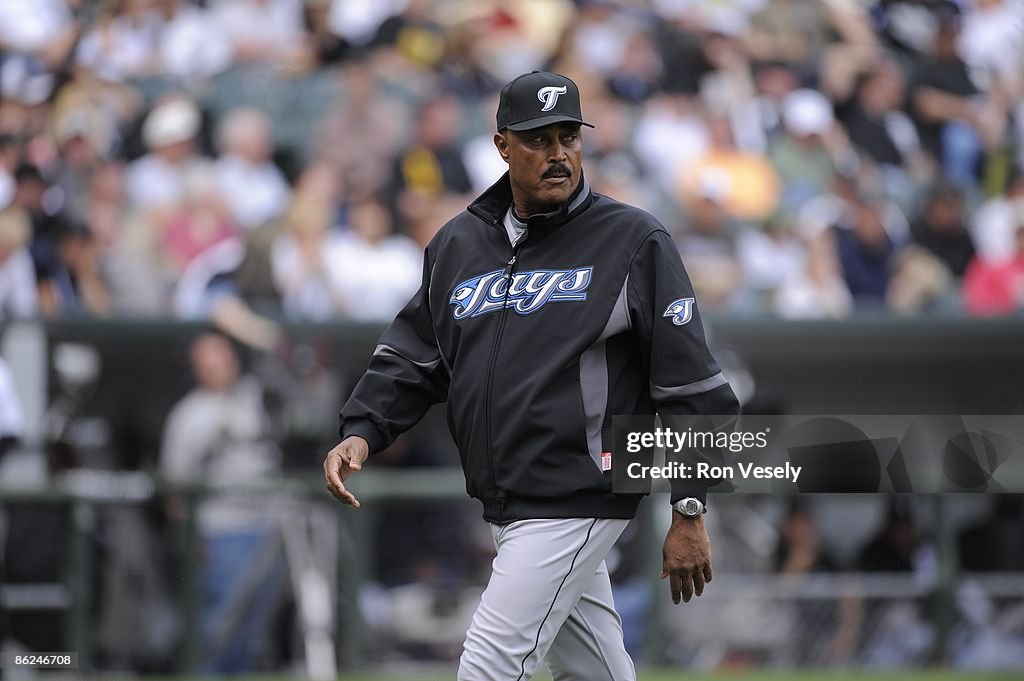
689, 507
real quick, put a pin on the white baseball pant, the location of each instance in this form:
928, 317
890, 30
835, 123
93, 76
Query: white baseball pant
549, 598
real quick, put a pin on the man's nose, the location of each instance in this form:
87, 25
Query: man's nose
557, 152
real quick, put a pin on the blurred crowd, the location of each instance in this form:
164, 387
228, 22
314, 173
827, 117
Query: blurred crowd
250, 160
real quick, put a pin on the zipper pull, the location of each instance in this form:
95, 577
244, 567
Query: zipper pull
509, 265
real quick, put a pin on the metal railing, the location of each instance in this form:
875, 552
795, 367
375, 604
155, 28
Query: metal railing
84, 492
810, 620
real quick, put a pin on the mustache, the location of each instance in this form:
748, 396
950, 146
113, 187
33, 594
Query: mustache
556, 171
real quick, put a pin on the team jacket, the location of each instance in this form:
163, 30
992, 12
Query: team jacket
535, 347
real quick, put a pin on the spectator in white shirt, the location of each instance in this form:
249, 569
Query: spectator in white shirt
191, 45
40, 28
992, 40
669, 117
262, 30
18, 295
817, 291
376, 270
995, 223
35, 37
156, 182
123, 44
253, 187
305, 262
357, 21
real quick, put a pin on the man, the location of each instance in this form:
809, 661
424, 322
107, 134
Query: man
545, 309
252, 186
156, 181
217, 434
955, 120
18, 294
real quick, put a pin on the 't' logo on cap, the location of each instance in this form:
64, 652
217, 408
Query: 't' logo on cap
517, 104
549, 95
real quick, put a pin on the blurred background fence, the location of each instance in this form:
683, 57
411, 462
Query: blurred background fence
337, 612
107, 553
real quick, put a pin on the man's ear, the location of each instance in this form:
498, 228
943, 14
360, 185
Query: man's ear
502, 145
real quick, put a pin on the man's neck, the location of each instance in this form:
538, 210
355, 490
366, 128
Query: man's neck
523, 212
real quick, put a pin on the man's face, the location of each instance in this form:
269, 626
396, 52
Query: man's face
214, 363
944, 213
543, 164
29, 194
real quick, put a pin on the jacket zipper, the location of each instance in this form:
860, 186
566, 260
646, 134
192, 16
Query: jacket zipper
509, 271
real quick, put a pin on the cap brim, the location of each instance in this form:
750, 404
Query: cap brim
535, 123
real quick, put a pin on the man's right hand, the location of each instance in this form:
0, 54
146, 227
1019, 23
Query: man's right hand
343, 461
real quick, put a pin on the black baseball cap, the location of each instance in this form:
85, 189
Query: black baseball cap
536, 99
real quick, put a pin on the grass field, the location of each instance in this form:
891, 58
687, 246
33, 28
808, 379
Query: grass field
682, 675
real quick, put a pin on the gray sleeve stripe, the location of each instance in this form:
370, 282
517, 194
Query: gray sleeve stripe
660, 393
594, 394
388, 351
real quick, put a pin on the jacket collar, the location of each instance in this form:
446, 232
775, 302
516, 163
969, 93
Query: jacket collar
495, 201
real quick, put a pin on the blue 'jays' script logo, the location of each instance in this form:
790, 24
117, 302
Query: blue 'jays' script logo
527, 292
681, 311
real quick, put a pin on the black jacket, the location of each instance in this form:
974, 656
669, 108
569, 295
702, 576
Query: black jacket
598, 320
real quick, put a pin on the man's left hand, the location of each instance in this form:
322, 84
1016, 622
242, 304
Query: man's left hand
686, 557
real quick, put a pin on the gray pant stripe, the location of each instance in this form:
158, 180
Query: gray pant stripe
572, 564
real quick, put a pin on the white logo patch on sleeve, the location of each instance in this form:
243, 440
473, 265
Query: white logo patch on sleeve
680, 311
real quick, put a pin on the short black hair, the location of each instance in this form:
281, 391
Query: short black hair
27, 171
